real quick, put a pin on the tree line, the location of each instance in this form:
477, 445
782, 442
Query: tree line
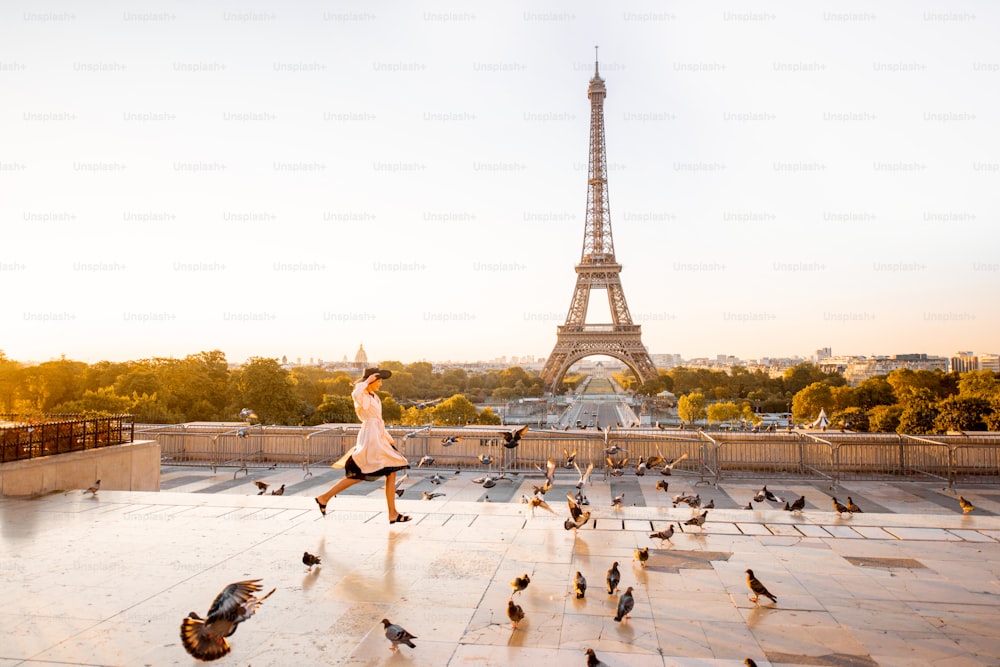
903, 401
204, 387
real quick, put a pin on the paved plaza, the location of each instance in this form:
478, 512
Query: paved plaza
106, 580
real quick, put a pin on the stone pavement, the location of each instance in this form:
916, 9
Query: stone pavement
106, 580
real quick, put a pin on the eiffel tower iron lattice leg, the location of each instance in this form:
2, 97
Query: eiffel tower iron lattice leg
598, 269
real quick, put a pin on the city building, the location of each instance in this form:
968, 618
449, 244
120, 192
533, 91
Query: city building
963, 362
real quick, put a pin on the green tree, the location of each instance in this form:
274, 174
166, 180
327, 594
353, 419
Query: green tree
851, 418
919, 411
802, 375
874, 391
884, 418
979, 384
810, 400
335, 409
100, 402
487, 416
691, 407
11, 377
454, 411
961, 413
723, 412
263, 386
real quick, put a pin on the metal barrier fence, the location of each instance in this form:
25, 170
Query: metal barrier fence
710, 456
30, 437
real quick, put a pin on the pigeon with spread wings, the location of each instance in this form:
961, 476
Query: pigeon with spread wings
205, 638
512, 439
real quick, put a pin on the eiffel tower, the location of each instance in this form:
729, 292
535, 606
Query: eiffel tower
597, 269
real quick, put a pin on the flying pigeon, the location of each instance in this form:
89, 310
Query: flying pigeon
489, 482
578, 518
614, 449
512, 439
431, 496
616, 468
426, 460
852, 508
668, 468
697, 520
262, 486
518, 584
640, 467
584, 476
662, 485
309, 560
966, 505
436, 478
569, 458
538, 501
514, 612
485, 459
450, 440
397, 635
616, 502
94, 488
279, 491
664, 534
625, 604
580, 586
614, 578
593, 660
641, 555
248, 414
205, 638
758, 588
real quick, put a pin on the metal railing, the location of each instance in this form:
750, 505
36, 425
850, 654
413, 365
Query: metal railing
33, 436
711, 457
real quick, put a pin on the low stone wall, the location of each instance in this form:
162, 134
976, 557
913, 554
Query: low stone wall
133, 466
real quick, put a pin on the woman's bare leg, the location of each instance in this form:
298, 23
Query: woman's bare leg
345, 483
390, 495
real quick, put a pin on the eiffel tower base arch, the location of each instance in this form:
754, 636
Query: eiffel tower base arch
578, 342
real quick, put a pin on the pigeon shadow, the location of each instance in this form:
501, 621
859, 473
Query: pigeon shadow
580, 547
758, 614
518, 634
310, 577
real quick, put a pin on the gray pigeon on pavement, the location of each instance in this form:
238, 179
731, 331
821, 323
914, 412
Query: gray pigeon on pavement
625, 604
614, 577
580, 586
397, 635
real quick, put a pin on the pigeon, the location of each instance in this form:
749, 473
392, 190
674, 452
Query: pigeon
748, 506
242, 433
839, 507
664, 534
710, 505
625, 604
436, 478
852, 508
450, 440
749, 662
584, 476
580, 586
640, 467
279, 491
578, 518
614, 449
569, 458
485, 459
641, 555
489, 482
425, 461
397, 635
616, 502
309, 560
512, 439
538, 501
797, 506
518, 584
550, 474
582, 499
593, 660
966, 505
205, 638
758, 588
247, 414
94, 488
616, 468
771, 497
668, 468
697, 520
614, 578
262, 486
431, 496
662, 485
514, 612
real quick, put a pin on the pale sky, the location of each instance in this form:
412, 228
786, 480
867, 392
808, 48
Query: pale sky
297, 179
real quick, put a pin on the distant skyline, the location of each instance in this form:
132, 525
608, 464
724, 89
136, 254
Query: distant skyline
301, 180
